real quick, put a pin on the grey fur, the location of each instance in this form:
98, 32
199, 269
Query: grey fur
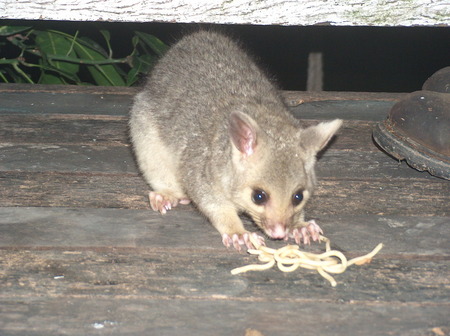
180, 129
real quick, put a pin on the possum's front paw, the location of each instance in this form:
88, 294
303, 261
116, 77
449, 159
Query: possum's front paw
163, 202
311, 230
240, 239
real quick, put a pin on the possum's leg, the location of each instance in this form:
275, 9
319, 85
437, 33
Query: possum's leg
226, 220
158, 164
159, 168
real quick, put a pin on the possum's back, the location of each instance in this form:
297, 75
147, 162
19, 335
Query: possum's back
201, 74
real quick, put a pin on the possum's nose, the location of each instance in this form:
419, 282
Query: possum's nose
276, 232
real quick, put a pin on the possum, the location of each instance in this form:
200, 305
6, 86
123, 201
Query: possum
210, 127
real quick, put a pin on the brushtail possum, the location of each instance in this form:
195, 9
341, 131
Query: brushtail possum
209, 127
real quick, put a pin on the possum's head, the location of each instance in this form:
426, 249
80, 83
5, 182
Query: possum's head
274, 173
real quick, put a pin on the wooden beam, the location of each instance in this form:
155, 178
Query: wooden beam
267, 12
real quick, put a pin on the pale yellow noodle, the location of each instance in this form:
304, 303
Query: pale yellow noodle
327, 276
365, 258
256, 267
289, 258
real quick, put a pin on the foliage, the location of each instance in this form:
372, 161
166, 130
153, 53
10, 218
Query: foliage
55, 57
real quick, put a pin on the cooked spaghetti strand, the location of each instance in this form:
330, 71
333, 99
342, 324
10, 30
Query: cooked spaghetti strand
289, 258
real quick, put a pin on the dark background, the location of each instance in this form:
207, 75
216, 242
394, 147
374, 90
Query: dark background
373, 59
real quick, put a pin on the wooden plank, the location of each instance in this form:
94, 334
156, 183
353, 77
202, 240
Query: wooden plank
292, 98
102, 159
113, 131
67, 158
295, 98
64, 103
100, 315
83, 266
324, 105
184, 229
26, 89
117, 104
332, 196
399, 196
64, 130
367, 110
362, 164
265, 12
196, 274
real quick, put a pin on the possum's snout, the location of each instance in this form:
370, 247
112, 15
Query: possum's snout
277, 231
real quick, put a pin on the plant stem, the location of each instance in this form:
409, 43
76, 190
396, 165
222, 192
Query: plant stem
9, 61
73, 42
5, 80
86, 61
23, 74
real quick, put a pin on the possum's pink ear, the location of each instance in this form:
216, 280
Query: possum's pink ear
243, 132
315, 138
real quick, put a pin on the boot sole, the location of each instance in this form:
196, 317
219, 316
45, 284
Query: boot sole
416, 155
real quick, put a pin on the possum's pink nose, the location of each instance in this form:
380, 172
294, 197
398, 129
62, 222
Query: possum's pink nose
276, 232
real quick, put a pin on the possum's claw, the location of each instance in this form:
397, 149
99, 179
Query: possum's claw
241, 239
164, 202
310, 231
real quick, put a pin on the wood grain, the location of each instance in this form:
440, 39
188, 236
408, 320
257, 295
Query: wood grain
118, 159
268, 12
107, 229
81, 253
405, 196
98, 314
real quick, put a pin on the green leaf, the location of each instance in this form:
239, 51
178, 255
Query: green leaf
52, 75
141, 65
106, 75
15, 77
89, 43
53, 44
22, 73
49, 78
11, 30
144, 62
153, 42
107, 37
132, 76
135, 41
3, 78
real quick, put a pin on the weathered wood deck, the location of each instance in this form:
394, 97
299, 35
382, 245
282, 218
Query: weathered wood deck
81, 254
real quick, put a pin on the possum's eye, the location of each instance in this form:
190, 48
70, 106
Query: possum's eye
259, 197
297, 198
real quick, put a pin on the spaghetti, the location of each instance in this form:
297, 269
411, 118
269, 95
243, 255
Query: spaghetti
289, 258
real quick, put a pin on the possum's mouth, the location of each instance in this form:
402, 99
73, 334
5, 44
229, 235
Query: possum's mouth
277, 232
274, 231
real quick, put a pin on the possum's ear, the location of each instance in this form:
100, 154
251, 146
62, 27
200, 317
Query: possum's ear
243, 133
315, 138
